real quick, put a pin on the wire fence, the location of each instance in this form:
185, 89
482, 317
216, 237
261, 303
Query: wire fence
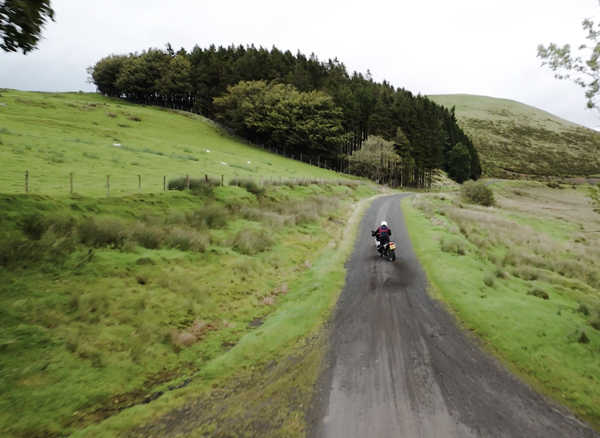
119, 185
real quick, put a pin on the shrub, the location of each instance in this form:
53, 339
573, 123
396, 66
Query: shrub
583, 338
595, 321
147, 236
212, 215
187, 240
100, 232
488, 279
453, 246
252, 242
537, 292
111, 115
252, 187
134, 118
199, 186
583, 308
478, 193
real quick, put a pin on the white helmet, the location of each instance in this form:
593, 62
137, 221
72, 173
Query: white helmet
384, 224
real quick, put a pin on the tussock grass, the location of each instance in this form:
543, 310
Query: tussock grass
143, 297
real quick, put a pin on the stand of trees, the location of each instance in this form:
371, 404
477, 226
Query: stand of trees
296, 103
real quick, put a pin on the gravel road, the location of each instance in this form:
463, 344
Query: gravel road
398, 365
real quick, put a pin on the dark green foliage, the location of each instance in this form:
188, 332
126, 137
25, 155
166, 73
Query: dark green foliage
478, 193
583, 338
295, 104
459, 163
200, 186
21, 23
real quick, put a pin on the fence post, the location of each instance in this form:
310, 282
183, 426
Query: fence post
139, 183
71, 182
222, 181
237, 181
107, 186
187, 181
164, 183
26, 181
206, 178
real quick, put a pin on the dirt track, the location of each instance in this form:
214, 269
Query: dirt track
398, 365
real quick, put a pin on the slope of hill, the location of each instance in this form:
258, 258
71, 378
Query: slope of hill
512, 137
51, 135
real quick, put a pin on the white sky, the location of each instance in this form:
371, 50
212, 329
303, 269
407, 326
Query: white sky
426, 46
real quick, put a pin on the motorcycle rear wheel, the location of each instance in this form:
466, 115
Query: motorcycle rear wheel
392, 255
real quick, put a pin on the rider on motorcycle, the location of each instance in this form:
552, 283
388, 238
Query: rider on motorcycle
382, 234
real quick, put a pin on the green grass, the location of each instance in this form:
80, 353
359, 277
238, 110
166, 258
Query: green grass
52, 135
527, 270
102, 306
513, 138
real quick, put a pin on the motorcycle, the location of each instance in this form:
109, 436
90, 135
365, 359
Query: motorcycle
388, 250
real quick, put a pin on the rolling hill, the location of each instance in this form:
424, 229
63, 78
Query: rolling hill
514, 138
52, 135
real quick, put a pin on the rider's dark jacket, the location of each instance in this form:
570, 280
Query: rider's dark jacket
383, 234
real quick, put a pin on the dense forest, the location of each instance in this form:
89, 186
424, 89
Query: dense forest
299, 106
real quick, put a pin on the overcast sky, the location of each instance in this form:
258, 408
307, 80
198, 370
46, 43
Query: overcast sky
425, 46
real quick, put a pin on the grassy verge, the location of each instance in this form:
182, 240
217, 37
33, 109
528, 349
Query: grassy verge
118, 310
524, 277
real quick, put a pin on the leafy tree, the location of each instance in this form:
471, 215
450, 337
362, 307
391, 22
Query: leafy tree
584, 70
279, 114
105, 73
21, 23
459, 163
376, 159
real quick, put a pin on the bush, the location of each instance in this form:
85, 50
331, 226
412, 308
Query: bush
478, 193
251, 187
252, 242
583, 308
146, 236
199, 186
453, 246
187, 240
101, 232
212, 216
537, 292
488, 279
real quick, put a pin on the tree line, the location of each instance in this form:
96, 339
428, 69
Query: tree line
299, 104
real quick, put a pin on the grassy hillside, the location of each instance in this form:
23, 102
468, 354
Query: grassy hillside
524, 277
118, 309
514, 138
51, 135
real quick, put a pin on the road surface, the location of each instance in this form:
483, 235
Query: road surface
398, 365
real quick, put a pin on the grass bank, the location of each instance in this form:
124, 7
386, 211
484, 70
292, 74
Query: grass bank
118, 310
524, 277
52, 135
